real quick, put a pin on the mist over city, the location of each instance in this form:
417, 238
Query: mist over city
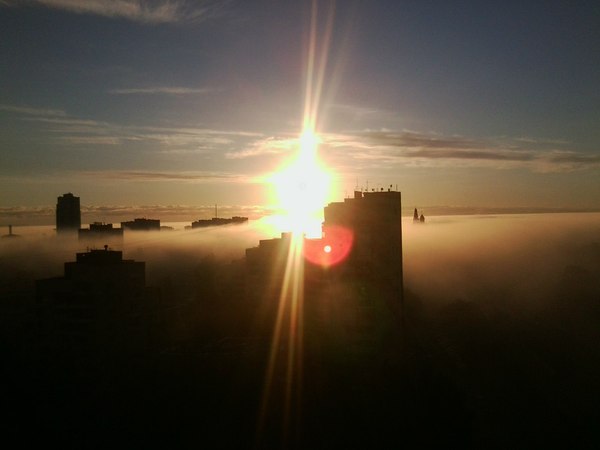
301, 225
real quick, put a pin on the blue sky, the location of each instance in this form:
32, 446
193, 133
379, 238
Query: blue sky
134, 102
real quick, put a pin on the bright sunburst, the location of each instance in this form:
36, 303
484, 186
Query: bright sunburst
301, 187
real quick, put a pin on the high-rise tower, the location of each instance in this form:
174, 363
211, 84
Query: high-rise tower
68, 213
374, 218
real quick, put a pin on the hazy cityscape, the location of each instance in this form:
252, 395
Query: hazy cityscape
483, 336
301, 225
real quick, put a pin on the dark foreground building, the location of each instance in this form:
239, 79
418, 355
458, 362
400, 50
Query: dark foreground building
99, 305
331, 307
330, 367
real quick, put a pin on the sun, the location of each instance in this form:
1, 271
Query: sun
302, 186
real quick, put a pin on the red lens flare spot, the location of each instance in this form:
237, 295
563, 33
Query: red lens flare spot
331, 249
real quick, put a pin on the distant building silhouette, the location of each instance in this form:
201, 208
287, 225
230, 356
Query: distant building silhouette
68, 213
217, 221
417, 218
101, 232
142, 224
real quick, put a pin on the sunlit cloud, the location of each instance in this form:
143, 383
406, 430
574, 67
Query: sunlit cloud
267, 146
369, 150
191, 143
169, 90
31, 111
143, 11
204, 131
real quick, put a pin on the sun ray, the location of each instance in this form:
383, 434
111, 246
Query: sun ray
302, 189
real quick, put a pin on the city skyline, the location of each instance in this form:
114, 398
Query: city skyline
171, 103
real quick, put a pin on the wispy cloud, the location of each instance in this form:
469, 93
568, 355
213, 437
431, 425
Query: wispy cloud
383, 149
117, 175
169, 90
91, 140
143, 11
166, 176
574, 158
364, 149
31, 111
73, 131
68, 121
267, 146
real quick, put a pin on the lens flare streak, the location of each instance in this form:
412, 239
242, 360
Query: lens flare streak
302, 188
290, 307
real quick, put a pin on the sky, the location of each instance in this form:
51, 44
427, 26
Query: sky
132, 102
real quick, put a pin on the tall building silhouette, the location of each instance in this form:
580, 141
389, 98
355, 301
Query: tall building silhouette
362, 240
68, 213
373, 220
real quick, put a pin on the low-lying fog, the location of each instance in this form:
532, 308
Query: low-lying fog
500, 332
518, 258
508, 258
